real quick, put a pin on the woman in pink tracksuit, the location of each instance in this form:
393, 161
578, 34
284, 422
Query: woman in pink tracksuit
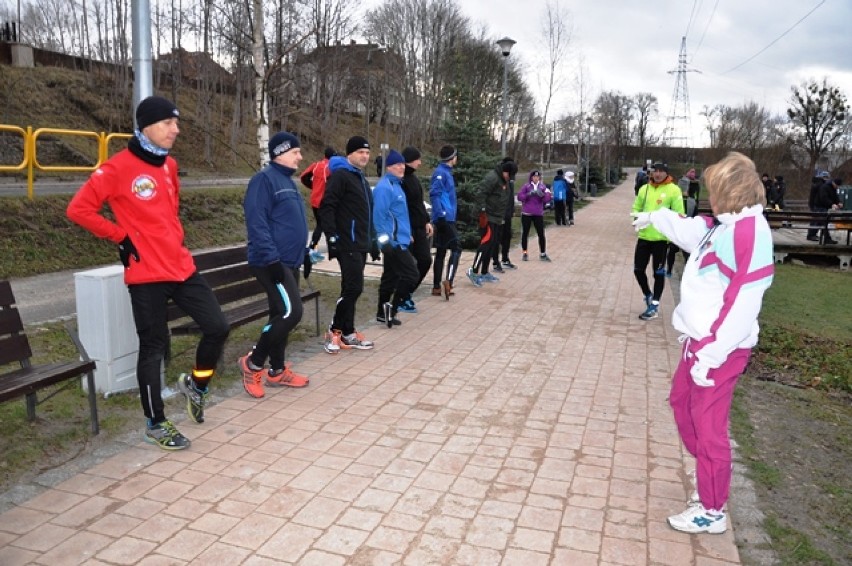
729, 268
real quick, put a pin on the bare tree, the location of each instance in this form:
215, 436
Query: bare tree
818, 118
646, 107
557, 35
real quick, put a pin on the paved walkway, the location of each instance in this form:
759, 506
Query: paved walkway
521, 423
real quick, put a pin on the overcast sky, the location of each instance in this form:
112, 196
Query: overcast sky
739, 50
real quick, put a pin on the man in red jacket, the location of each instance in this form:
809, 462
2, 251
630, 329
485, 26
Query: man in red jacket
140, 184
315, 178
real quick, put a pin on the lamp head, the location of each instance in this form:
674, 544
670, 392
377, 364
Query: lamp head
506, 45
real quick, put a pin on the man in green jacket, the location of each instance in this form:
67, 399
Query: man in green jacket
492, 197
660, 192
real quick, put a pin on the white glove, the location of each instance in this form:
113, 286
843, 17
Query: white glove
641, 220
699, 375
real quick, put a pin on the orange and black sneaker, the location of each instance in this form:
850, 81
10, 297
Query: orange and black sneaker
286, 377
355, 340
251, 378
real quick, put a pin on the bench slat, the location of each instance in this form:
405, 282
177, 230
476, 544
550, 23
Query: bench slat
29, 380
14, 349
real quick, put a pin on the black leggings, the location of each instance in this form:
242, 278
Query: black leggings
488, 236
351, 286
285, 313
650, 251
538, 222
149, 303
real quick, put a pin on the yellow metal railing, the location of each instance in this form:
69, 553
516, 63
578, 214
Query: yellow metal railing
31, 163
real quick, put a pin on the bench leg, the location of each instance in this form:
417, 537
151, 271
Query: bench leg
93, 403
32, 401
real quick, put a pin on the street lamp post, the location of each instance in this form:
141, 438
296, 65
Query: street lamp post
589, 123
505, 47
370, 83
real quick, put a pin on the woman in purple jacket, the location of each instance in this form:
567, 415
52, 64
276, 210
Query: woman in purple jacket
533, 196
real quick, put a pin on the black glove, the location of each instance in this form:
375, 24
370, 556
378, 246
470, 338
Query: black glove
126, 250
276, 271
332, 246
307, 264
374, 251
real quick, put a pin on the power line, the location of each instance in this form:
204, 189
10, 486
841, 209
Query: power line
774, 41
703, 33
695, 5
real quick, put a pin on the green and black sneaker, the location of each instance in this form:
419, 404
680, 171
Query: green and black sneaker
195, 399
166, 436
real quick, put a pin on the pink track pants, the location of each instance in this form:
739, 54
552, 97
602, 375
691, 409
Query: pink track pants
701, 415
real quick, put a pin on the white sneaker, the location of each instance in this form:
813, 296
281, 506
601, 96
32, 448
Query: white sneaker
696, 519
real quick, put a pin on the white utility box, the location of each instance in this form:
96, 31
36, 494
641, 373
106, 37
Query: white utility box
107, 331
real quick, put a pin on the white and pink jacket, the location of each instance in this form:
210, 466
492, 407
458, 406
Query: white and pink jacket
730, 267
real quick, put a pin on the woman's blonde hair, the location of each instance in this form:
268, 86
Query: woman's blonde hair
734, 184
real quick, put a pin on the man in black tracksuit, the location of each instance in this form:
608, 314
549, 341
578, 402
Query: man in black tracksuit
504, 242
421, 227
346, 218
493, 198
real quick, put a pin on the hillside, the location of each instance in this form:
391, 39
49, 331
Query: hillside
51, 97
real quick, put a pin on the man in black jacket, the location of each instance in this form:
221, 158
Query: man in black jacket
421, 227
504, 240
346, 218
493, 197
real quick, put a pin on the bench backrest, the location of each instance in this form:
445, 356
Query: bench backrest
228, 273
14, 345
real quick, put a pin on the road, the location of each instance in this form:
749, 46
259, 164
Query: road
15, 187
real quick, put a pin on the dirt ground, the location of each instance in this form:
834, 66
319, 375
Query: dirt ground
806, 435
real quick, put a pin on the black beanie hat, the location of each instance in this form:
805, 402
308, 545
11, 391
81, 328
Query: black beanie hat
282, 142
411, 154
447, 152
355, 143
153, 109
509, 167
329, 152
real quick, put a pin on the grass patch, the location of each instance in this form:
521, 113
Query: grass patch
794, 547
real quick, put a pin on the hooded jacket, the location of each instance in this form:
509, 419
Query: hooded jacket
560, 188
442, 193
275, 218
493, 195
347, 207
390, 212
534, 197
730, 266
653, 196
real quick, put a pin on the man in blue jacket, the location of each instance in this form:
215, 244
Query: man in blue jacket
393, 233
442, 194
560, 195
346, 217
277, 234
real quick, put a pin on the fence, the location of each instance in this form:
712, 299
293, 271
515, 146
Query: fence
30, 161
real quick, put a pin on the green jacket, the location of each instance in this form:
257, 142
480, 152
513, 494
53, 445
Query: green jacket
653, 197
493, 195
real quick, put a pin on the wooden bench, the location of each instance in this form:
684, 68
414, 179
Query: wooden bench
838, 220
238, 292
29, 379
797, 219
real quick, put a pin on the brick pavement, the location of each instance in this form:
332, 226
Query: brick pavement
524, 422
